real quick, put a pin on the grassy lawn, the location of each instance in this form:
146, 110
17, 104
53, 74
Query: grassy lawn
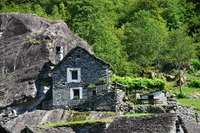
138, 114
76, 122
186, 90
191, 102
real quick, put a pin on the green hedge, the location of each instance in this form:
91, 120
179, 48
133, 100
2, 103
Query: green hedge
140, 83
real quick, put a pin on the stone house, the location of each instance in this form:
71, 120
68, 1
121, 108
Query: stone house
77, 77
155, 98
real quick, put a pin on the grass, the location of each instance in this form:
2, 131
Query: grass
185, 90
191, 102
76, 122
138, 114
188, 102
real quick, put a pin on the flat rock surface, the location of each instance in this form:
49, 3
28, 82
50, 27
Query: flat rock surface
41, 117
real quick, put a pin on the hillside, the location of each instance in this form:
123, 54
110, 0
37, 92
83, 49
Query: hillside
135, 36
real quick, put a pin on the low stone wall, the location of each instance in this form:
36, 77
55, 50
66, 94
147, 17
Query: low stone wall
162, 123
149, 109
41, 117
110, 101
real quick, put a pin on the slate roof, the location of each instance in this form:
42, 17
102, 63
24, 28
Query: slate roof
77, 47
152, 92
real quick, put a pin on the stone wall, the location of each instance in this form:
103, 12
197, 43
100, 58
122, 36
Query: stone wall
110, 101
162, 123
91, 69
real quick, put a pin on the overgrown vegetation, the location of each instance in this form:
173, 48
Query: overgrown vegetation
140, 83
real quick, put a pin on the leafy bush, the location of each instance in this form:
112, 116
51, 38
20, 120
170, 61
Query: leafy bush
196, 64
91, 85
195, 83
139, 83
181, 96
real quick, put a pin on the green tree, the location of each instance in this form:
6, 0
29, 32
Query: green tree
144, 38
55, 13
179, 52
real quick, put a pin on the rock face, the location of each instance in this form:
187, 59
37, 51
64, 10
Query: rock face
29, 45
77, 128
162, 123
41, 117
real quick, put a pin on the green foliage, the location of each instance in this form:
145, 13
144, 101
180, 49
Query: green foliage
181, 96
91, 85
139, 83
144, 37
186, 90
195, 83
134, 36
178, 51
102, 80
196, 64
191, 102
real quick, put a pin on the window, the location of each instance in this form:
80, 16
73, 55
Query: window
150, 96
94, 93
76, 93
73, 75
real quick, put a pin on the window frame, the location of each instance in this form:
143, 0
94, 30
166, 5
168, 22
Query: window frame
72, 93
69, 75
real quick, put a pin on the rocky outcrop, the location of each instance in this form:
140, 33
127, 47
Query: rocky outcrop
28, 46
98, 127
41, 117
47, 130
162, 123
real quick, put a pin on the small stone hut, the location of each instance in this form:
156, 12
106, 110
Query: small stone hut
77, 77
155, 98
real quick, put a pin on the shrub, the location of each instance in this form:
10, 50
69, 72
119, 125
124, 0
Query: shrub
181, 95
91, 86
195, 83
140, 83
196, 64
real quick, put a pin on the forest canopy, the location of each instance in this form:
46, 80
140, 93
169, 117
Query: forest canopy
135, 36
